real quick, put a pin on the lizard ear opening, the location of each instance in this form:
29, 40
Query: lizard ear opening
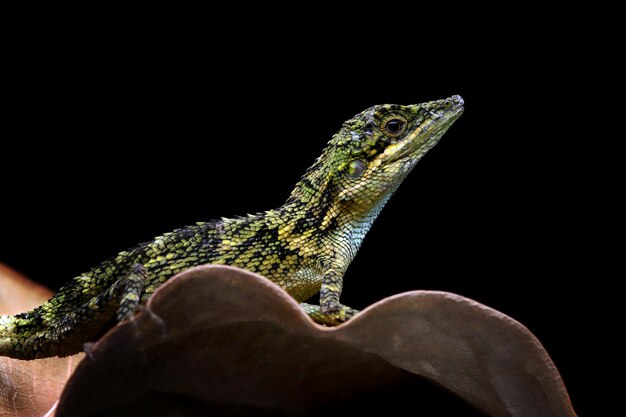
356, 169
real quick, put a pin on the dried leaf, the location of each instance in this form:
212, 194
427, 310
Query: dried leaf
18, 293
29, 388
230, 337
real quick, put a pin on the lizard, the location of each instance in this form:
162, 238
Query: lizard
304, 246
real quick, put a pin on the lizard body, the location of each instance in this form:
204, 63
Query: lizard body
305, 246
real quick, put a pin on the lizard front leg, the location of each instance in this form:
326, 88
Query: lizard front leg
330, 311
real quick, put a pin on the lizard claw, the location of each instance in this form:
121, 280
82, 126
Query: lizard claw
88, 349
330, 308
140, 326
338, 312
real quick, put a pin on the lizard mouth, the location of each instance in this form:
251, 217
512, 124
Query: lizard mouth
427, 134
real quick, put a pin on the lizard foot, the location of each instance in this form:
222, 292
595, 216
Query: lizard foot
331, 316
154, 318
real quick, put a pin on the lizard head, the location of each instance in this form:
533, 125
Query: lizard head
374, 151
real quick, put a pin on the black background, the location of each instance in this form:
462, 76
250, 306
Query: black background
112, 140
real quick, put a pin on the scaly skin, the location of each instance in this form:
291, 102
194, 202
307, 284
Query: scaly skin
305, 246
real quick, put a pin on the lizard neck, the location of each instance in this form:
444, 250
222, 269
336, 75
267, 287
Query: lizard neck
320, 216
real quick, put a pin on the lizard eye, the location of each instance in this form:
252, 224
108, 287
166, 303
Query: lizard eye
394, 126
355, 169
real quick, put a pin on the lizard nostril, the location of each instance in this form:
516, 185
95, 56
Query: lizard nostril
457, 100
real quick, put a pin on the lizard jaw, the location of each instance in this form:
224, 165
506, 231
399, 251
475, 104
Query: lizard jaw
425, 136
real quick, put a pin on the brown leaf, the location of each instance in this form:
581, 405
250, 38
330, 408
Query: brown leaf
231, 337
18, 293
29, 388
482, 355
